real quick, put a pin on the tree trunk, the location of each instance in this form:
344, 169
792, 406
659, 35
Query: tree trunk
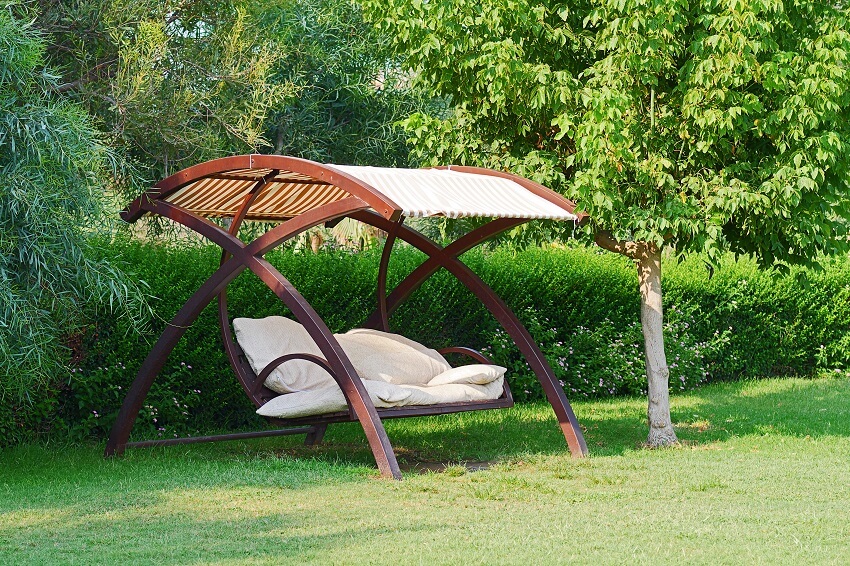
647, 256
661, 431
316, 241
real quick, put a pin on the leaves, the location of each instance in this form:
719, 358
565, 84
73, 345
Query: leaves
350, 91
52, 168
706, 126
170, 84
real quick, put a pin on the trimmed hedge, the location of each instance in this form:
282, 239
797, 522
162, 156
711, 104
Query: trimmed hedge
581, 305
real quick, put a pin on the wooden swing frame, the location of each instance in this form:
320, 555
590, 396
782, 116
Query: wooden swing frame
365, 204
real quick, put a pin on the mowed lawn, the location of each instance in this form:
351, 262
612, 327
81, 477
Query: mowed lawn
762, 476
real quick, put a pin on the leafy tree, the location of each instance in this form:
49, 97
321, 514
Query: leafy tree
350, 90
176, 83
170, 83
52, 166
699, 126
350, 94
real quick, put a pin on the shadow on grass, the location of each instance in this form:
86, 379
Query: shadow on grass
183, 537
790, 407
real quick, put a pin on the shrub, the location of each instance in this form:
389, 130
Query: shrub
607, 359
52, 178
579, 304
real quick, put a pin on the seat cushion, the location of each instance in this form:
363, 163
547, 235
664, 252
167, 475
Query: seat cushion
381, 356
474, 374
268, 338
384, 395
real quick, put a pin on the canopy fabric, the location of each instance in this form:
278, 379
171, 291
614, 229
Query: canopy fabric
443, 192
285, 195
297, 186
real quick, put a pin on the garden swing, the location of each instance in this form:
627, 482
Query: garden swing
300, 375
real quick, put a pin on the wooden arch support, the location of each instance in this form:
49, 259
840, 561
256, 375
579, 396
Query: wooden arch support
250, 257
378, 201
363, 203
448, 258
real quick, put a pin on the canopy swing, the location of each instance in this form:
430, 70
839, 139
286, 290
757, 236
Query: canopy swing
299, 194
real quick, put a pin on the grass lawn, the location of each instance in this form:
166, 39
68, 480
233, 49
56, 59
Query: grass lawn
762, 476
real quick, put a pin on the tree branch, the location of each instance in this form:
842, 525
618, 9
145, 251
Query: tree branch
632, 250
93, 74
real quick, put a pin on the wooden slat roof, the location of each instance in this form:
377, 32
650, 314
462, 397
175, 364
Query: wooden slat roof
289, 187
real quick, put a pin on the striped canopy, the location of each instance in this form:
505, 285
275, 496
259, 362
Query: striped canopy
280, 188
423, 193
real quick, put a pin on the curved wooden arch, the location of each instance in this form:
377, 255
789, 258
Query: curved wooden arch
237, 256
430, 266
440, 257
378, 201
248, 257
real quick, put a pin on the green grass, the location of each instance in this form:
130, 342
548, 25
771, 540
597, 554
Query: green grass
762, 476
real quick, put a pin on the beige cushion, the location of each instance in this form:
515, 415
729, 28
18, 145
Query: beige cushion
376, 355
332, 400
305, 403
383, 395
381, 356
397, 338
475, 374
268, 338
460, 392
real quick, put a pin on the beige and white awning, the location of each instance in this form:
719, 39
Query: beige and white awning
278, 188
423, 193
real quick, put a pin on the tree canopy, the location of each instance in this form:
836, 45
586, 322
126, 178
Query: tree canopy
701, 126
170, 84
52, 172
706, 126
349, 90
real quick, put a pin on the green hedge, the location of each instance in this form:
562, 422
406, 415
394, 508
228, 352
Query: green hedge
581, 305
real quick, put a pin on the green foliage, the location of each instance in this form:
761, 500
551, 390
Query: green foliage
703, 125
171, 84
577, 303
350, 91
97, 395
607, 359
51, 182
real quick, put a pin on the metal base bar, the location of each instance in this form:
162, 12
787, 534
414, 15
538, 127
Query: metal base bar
217, 437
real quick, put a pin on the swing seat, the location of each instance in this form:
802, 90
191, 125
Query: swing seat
305, 375
396, 371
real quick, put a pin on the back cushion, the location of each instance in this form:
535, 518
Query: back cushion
382, 356
376, 355
268, 338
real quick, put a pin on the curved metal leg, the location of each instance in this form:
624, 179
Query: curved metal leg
512, 325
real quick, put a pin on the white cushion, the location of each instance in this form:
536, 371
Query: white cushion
332, 400
395, 337
305, 403
375, 355
460, 392
268, 338
475, 374
383, 395
381, 356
